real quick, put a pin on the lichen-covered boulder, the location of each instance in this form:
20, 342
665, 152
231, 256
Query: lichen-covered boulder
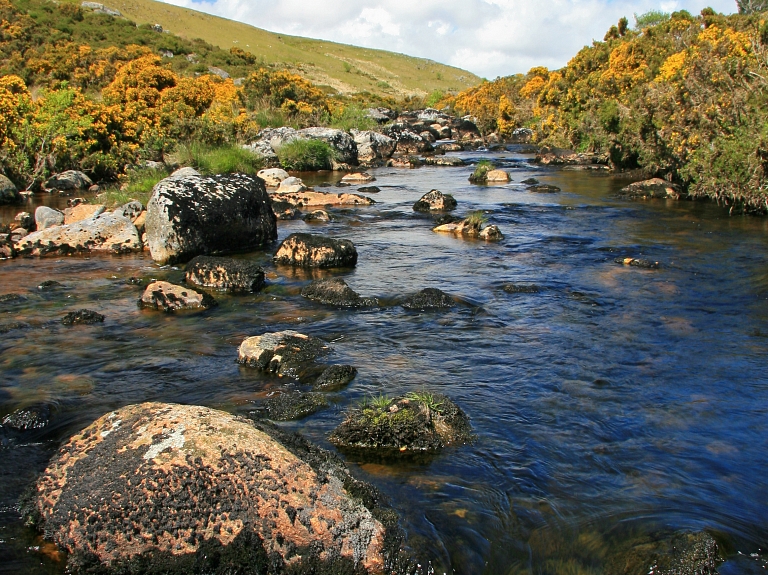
335, 291
8, 192
417, 422
46, 217
429, 298
82, 212
283, 352
107, 232
435, 201
310, 250
70, 180
197, 215
407, 141
373, 147
169, 297
239, 276
184, 489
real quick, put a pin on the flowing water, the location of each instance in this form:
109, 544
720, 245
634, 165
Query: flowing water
612, 403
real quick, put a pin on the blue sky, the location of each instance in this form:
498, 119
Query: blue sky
488, 37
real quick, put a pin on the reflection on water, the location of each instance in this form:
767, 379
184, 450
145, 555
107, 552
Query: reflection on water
612, 403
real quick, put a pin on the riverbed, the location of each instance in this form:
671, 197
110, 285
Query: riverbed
610, 404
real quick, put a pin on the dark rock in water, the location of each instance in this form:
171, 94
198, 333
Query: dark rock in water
530, 182
169, 297
447, 219
638, 263
292, 406
429, 298
285, 210
196, 215
82, 316
435, 200
335, 291
48, 285
342, 185
11, 298
369, 190
283, 352
25, 220
7, 250
12, 326
678, 554
134, 281
225, 274
417, 422
335, 377
35, 417
521, 288
164, 488
653, 188
317, 216
544, 189
309, 250
450, 161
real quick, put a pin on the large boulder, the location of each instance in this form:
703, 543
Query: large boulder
171, 488
372, 147
68, 181
407, 141
335, 291
287, 353
310, 250
227, 274
8, 192
648, 189
107, 232
168, 297
197, 215
435, 201
381, 115
46, 217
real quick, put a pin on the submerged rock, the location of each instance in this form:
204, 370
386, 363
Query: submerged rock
283, 352
429, 298
434, 201
184, 489
417, 422
12, 326
292, 405
638, 263
335, 377
676, 554
310, 250
530, 181
335, 291
195, 215
521, 288
82, 316
49, 285
450, 161
653, 188
543, 189
28, 418
225, 274
169, 297
357, 178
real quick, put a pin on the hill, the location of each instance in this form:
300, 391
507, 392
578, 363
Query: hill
345, 69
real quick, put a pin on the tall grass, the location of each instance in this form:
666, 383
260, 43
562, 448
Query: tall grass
139, 187
305, 155
352, 118
226, 159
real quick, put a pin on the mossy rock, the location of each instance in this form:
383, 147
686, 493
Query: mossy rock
292, 406
415, 423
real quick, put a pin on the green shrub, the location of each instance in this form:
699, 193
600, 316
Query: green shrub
650, 18
434, 98
305, 155
225, 159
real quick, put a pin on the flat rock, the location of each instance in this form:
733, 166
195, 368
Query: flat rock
310, 250
335, 291
82, 212
648, 189
415, 423
450, 161
273, 176
184, 489
286, 353
168, 297
196, 215
335, 377
82, 317
638, 263
292, 405
358, 178
310, 198
106, 232
225, 274
46, 217
544, 189
70, 180
429, 298
8, 192
435, 201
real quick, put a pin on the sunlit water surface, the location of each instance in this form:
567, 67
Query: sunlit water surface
614, 402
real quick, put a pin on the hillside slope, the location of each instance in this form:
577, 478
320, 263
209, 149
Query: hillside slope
346, 69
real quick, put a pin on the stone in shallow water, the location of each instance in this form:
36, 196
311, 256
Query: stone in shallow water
283, 352
429, 298
310, 250
82, 316
292, 406
182, 489
435, 200
225, 274
335, 377
335, 291
34, 417
169, 297
638, 263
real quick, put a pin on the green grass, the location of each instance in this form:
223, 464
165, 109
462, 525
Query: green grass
140, 185
209, 160
481, 171
352, 118
427, 399
476, 220
306, 155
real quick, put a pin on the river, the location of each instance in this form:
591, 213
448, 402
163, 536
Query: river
612, 403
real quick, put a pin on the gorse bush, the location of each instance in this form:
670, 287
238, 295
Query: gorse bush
225, 159
303, 155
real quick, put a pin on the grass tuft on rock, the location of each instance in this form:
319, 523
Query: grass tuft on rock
306, 155
480, 174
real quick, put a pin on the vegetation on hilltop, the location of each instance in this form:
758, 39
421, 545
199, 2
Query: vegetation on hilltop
680, 96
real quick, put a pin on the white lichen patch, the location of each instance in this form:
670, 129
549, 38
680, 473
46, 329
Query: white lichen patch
115, 425
174, 439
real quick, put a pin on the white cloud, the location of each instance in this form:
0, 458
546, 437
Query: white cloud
488, 37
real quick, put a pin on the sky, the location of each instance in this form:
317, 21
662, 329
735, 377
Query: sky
488, 37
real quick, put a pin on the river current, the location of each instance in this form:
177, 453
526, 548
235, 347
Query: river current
612, 403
